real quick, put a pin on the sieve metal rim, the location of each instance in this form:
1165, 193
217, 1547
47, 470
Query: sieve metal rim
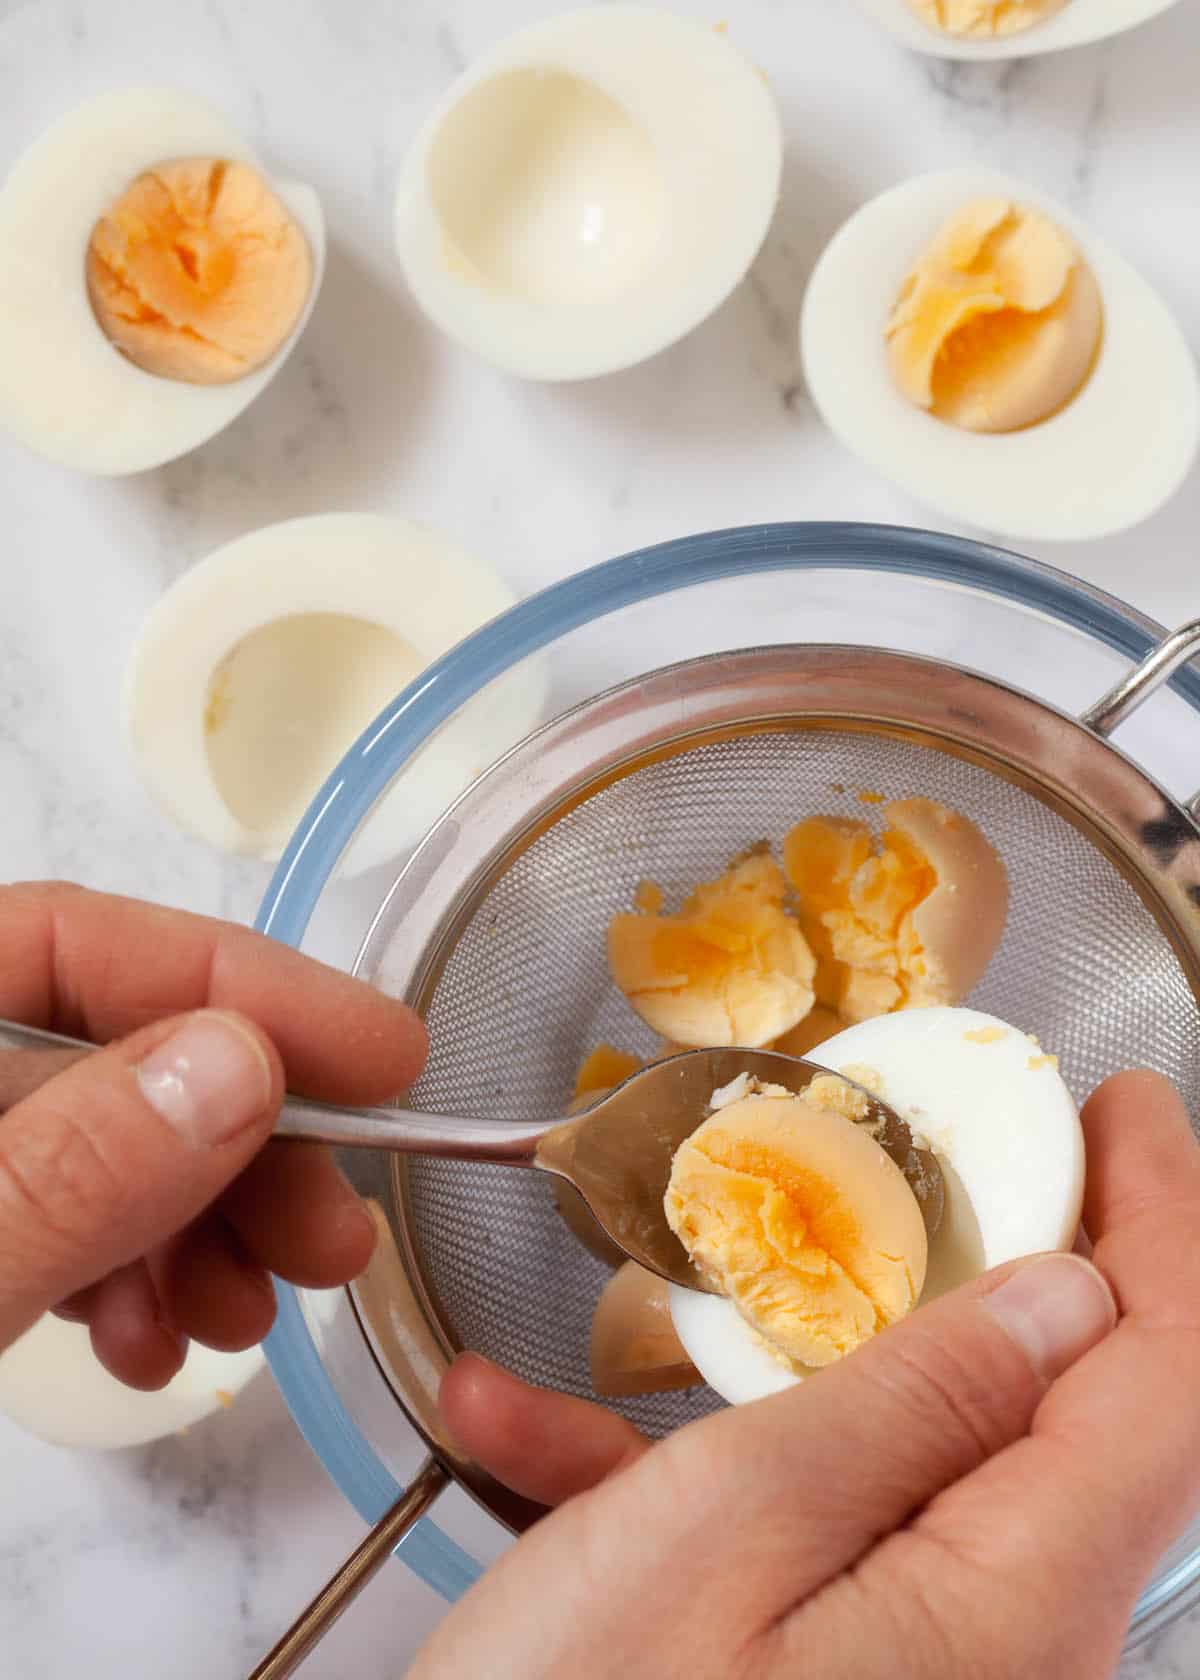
1066, 763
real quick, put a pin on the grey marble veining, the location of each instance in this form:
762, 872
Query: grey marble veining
185, 1560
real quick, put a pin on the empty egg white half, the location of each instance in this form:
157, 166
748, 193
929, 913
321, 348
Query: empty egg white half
1110, 458
52, 1384
261, 666
65, 391
1080, 22
589, 191
1005, 1131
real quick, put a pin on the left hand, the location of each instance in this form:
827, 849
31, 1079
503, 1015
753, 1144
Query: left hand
136, 1193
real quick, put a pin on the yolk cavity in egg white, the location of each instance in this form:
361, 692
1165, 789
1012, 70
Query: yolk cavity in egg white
260, 667
589, 191
546, 187
285, 705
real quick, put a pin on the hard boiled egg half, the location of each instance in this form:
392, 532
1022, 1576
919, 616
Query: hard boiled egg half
992, 1106
52, 1384
152, 281
261, 666
1006, 28
589, 191
978, 345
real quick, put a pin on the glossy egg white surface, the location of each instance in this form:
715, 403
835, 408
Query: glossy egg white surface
589, 191
65, 391
1109, 459
53, 1385
1077, 25
993, 1107
265, 662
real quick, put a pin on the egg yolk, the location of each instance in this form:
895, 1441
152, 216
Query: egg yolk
733, 967
857, 909
984, 17
999, 324
198, 272
797, 1216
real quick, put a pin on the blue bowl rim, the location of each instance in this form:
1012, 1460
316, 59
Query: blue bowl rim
447, 684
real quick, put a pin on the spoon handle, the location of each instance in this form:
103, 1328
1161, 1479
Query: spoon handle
454, 1137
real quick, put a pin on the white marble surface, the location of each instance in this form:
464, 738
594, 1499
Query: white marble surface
185, 1559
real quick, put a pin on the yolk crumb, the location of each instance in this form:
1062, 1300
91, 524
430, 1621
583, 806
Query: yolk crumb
984, 18
198, 272
986, 1035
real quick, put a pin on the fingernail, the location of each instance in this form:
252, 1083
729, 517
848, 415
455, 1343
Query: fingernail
1055, 1308
208, 1081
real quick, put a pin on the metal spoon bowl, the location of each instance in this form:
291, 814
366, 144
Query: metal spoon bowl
617, 1154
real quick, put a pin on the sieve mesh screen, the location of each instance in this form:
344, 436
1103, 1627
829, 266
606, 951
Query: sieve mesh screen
525, 995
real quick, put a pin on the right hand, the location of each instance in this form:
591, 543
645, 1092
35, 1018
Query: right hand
981, 1491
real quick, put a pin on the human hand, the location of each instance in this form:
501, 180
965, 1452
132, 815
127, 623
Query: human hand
980, 1491
135, 1191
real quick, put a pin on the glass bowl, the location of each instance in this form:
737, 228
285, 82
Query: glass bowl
939, 596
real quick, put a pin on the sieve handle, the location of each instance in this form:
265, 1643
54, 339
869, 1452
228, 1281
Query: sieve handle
509, 1142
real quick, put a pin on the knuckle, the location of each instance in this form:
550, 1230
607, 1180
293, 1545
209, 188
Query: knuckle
955, 1392
59, 1176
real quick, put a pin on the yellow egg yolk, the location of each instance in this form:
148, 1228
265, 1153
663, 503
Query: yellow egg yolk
197, 272
984, 18
856, 910
795, 1213
605, 1067
733, 967
999, 324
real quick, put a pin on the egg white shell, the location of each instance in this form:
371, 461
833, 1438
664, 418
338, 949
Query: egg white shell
384, 571
712, 129
1110, 458
52, 1385
1080, 22
65, 391
1004, 1128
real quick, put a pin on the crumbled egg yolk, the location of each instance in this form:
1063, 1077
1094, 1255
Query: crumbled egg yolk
856, 912
984, 17
905, 923
605, 1067
798, 1217
733, 967
197, 272
986, 1035
999, 324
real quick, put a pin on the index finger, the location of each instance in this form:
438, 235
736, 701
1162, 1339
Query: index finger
99, 967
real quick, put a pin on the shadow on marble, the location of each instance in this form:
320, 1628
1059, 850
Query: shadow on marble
739, 371
330, 432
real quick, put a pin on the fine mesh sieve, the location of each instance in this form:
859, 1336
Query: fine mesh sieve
525, 995
496, 932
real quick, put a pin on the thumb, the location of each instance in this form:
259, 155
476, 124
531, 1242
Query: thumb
805, 1482
123, 1149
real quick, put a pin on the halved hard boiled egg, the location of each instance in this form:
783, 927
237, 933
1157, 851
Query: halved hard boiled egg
945, 340
262, 665
991, 1105
152, 281
52, 1384
589, 191
1006, 28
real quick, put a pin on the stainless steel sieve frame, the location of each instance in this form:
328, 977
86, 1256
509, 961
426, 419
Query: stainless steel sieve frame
1067, 763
